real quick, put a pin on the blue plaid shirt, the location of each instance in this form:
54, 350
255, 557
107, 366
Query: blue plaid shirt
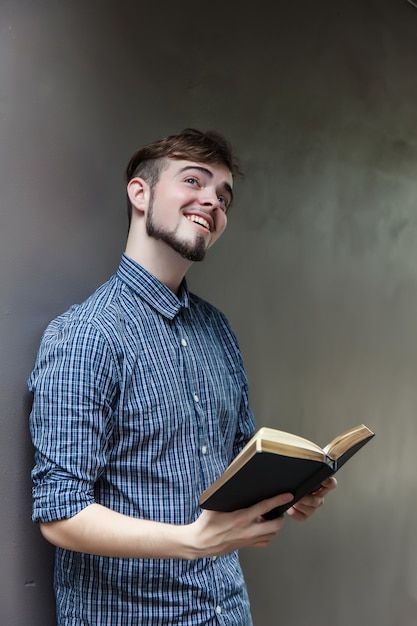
140, 402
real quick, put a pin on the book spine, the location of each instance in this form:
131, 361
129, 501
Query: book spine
332, 464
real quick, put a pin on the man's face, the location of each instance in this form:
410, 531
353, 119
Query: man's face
188, 205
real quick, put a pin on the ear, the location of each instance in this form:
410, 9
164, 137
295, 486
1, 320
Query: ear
138, 191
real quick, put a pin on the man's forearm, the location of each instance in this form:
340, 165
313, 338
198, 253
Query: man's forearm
99, 530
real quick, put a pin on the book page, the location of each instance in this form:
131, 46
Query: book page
287, 439
347, 440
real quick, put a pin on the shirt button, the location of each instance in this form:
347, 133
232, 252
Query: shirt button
184, 343
213, 558
196, 398
218, 610
204, 449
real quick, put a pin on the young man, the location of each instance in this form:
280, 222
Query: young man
140, 402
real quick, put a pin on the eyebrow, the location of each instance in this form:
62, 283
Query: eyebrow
204, 170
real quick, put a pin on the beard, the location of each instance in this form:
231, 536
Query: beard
195, 251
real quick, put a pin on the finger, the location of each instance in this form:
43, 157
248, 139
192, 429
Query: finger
331, 482
297, 515
308, 508
271, 503
305, 510
322, 491
313, 501
267, 527
328, 485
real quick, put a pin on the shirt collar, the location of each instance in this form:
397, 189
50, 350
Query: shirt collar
149, 288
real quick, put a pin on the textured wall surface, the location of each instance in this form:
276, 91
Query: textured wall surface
317, 272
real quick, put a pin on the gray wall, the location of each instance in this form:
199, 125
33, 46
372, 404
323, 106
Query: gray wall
317, 272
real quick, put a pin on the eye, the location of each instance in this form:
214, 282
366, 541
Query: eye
192, 180
224, 203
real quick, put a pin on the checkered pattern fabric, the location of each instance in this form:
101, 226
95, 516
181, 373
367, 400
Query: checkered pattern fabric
140, 402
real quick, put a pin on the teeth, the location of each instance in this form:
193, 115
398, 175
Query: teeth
198, 220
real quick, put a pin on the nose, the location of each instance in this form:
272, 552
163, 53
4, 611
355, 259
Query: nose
209, 197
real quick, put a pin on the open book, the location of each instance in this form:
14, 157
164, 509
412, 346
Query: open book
275, 462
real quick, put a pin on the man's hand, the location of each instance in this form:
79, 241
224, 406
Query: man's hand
215, 533
305, 507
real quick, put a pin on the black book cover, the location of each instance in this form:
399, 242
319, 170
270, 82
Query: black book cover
267, 474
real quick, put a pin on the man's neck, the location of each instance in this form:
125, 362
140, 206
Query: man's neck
159, 260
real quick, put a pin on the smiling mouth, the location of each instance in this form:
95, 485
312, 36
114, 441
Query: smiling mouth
197, 219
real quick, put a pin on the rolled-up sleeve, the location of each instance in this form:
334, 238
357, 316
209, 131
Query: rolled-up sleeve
75, 389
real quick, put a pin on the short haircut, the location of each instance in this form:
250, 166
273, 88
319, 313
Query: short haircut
190, 144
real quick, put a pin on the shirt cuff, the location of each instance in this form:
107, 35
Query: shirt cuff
59, 500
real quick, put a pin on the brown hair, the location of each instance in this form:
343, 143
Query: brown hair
190, 144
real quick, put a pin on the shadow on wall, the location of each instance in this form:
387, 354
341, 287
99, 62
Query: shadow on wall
36, 564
